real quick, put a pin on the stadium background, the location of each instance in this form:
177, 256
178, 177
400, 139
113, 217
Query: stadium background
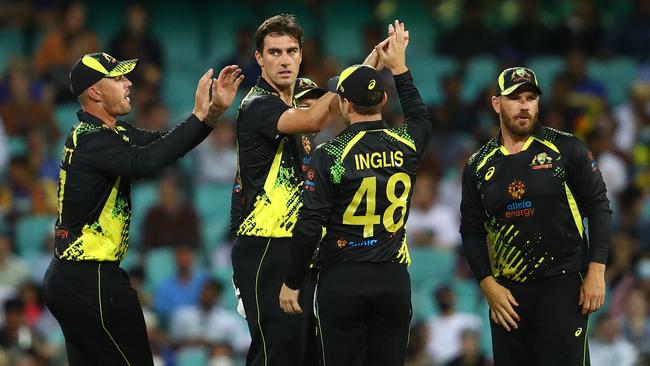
592, 58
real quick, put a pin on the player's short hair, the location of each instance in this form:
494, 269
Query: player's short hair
282, 24
371, 109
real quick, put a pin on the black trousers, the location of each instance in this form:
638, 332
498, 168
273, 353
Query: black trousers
278, 339
99, 313
552, 330
364, 311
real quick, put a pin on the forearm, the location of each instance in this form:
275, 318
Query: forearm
410, 100
477, 255
599, 237
173, 145
305, 238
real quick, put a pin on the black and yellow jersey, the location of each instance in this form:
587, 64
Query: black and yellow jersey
266, 193
358, 187
94, 205
531, 206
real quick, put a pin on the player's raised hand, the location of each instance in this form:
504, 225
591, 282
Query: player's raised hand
202, 96
224, 89
394, 54
289, 300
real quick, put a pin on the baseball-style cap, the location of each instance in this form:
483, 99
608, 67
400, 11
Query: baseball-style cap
511, 79
307, 87
93, 67
356, 84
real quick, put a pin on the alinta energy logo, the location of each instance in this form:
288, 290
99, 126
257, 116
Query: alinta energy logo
519, 207
343, 243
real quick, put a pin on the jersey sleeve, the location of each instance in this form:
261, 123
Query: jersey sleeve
416, 114
586, 183
262, 113
139, 136
108, 152
317, 197
472, 227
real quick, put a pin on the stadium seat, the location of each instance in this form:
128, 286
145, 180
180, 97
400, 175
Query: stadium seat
213, 204
10, 47
429, 264
480, 72
16, 146
546, 68
159, 264
345, 43
193, 356
144, 195
66, 116
616, 74
428, 72
31, 232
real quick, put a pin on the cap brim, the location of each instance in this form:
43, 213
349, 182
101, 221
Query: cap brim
317, 93
332, 84
514, 87
123, 68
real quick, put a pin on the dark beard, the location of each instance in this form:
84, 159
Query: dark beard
517, 129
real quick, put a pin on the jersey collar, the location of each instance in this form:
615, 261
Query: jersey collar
364, 126
262, 83
89, 118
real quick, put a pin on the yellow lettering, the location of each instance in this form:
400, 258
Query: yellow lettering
386, 162
375, 160
399, 158
364, 161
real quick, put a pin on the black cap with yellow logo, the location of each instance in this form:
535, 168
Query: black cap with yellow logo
93, 67
511, 79
307, 88
360, 84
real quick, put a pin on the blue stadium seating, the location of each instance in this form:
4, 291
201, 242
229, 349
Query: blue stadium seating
616, 74
31, 232
194, 356
480, 72
144, 195
546, 68
212, 201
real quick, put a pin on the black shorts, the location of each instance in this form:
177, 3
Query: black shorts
99, 313
552, 329
364, 311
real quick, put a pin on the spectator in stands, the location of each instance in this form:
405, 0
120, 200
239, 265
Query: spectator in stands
446, 328
221, 355
582, 30
42, 163
416, 352
470, 37
217, 155
208, 322
64, 45
635, 325
431, 223
183, 288
470, 354
631, 117
631, 35
13, 270
22, 111
153, 116
607, 347
135, 41
244, 57
26, 194
529, 36
17, 338
4, 153
173, 221
316, 65
611, 166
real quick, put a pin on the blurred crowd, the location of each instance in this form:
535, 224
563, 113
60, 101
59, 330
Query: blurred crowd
179, 256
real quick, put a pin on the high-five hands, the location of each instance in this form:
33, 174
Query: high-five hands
224, 89
393, 55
